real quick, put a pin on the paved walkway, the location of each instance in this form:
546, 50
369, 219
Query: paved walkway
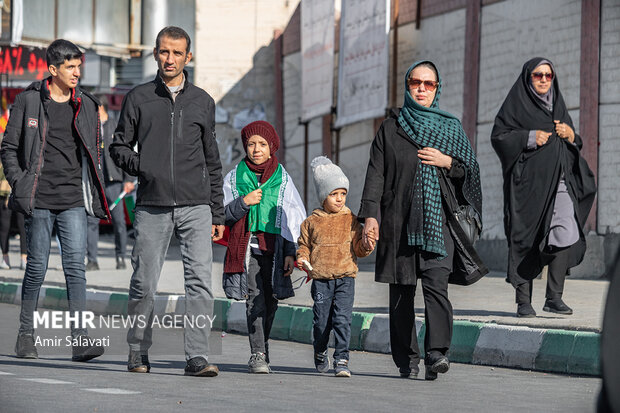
489, 300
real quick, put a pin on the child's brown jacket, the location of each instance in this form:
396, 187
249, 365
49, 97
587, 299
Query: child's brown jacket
331, 243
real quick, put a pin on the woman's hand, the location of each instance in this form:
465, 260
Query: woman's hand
542, 137
432, 156
371, 233
253, 197
289, 264
564, 131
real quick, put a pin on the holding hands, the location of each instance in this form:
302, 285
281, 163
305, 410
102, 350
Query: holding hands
432, 156
371, 234
372, 240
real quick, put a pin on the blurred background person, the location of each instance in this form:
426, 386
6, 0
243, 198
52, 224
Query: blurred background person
6, 217
116, 182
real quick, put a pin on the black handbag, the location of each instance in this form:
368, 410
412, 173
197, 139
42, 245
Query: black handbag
469, 220
467, 217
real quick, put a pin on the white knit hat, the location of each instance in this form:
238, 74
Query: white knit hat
327, 177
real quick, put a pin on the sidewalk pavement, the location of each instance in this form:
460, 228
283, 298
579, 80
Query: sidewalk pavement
486, 330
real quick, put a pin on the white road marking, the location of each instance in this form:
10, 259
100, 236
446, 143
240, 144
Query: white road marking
112, 391
6, 373
48, 381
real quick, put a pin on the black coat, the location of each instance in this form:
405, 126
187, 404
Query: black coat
178, 161
531, 177
23, 147
387, 191
112, 173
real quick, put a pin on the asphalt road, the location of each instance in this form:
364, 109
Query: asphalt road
53, 383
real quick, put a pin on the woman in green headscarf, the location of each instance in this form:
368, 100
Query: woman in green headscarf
421, 168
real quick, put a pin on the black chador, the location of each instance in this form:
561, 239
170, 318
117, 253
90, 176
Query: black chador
531, 177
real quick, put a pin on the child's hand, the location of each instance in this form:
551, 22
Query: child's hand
289, 264
253, 197
370, 226
372, 240
306, 265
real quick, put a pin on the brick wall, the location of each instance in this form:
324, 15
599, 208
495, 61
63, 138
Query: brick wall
234, 61
513, 32
609, 120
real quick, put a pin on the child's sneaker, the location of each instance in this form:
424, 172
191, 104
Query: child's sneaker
321, 362
258, 364
341, 368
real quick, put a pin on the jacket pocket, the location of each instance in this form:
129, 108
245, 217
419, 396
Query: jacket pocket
21, 193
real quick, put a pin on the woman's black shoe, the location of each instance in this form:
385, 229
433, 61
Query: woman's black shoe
557, 306
525, 310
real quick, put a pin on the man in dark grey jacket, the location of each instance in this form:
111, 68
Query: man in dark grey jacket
179, 191
51, 160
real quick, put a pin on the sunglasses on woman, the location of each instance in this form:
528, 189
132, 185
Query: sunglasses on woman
539, 75
429, 85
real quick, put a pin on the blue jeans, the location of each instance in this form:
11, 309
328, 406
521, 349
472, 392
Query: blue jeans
70, 226
333, 308
154, 227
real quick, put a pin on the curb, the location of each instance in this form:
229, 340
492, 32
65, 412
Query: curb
551, 350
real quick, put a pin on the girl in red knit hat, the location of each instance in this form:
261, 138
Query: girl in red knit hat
264, 212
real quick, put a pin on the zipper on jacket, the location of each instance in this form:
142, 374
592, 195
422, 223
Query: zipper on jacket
174, 197
77, 112
37, 171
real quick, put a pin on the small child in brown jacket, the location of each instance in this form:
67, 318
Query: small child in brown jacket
328, 247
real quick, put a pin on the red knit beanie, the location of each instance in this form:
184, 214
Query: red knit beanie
264, 130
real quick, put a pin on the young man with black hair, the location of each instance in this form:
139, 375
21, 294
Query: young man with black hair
179, 192
51, 160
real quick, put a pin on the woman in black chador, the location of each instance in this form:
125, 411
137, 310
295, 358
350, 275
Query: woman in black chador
548, 186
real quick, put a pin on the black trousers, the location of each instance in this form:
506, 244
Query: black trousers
433, 275
556, 276
261, 305
5, 226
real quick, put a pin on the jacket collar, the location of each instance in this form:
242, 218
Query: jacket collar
394, 112
43, 87
320, 212
161, 86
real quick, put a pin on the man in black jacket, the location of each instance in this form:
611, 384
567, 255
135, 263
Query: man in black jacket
116, 182
179, 191
51, 160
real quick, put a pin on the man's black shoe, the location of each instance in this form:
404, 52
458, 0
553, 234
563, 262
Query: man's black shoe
85, 350
557, 306
198, 366
92, 266
120, 263
138, 363
525, 310
434, 366
25, 348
